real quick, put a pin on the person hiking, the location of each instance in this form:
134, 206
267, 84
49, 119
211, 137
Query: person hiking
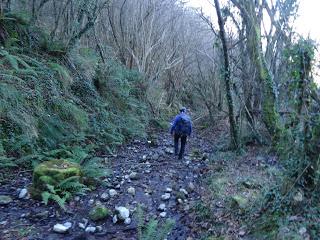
181, 128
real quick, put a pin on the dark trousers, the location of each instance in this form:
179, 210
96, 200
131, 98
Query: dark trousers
176, 145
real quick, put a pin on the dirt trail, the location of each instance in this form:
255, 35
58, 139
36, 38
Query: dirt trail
156, 170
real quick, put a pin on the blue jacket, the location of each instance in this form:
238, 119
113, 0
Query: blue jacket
175, 121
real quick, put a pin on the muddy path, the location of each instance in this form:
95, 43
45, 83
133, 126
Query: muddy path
149, 168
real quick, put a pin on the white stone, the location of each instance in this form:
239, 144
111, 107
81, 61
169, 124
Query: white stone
91, 201
104, 196
169, 150
60, 228
23, 193
112, 192
166, 196
184, 191
115, 219
132, 191
99, 228
163, 214
134, 176
302, 230
180, 201
127, 221
77, 198
123, 212
191, 186
162, 207
82, 225
144, 157
90, 229
168, 190
67, 224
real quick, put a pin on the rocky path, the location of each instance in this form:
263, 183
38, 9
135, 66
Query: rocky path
146, 175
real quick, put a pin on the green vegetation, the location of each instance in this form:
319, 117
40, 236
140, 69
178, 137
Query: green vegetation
98, 213
153, 229
47, 106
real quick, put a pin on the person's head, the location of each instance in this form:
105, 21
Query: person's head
183, 110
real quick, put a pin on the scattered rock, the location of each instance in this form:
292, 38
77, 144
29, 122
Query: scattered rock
104, 196
302, 230
23, 193
77, 198
242, 233
99, 228
82, 225
99, 213
162, 207
115, 219
127, 221
90, 229
4, 199
163, 214
67, 224
186, 208
191, 186
182, 190
168, 190
180, 201
132, 191
298, 197
3, 223
169, 151
134, 176
166, 196
112, 192
155, 156
61, 228
123, 213
91, 201
293, 218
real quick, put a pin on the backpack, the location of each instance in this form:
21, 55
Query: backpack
183, 126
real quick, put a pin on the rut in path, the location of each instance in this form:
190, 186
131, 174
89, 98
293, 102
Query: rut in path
157, 169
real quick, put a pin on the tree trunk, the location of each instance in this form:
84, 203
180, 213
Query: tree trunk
233, 126
270, 115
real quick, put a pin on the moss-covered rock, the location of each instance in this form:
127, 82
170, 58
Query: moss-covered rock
98, 213
52, 173
4, 199
239, 202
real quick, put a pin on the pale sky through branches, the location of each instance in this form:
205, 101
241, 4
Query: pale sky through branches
307, 22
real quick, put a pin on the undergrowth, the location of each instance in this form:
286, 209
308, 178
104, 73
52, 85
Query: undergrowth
153, 229
50, 102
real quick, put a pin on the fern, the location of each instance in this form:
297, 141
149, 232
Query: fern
62, 72
73, 185
7, 162
153, 230
63, 191
45, 197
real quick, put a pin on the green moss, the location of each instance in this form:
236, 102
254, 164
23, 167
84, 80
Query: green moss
238, 201
99, 213
52, 172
